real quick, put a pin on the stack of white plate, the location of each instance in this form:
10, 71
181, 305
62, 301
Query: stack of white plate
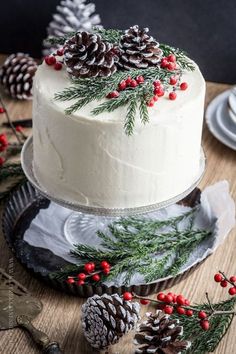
221, 118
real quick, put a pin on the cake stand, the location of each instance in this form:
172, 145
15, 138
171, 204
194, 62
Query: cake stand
84, 221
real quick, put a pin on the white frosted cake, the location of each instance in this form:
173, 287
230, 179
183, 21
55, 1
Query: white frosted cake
91, 160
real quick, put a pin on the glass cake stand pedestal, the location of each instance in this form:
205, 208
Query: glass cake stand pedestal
83, 222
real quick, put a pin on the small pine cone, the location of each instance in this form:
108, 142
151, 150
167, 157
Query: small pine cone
138, 49
159, 334
16, 75
86, 55
107, 318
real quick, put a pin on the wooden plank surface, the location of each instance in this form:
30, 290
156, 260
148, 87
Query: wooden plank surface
60, 317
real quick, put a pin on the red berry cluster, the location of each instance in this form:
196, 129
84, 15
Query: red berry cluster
128, 83
169, 62
52, 61
224, 282
174, 302
90, 272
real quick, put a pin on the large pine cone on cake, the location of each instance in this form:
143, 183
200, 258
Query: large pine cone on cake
159, 334
86, 55
16, 75
106, 318
138, 49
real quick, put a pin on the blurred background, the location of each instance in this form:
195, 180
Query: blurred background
205, 29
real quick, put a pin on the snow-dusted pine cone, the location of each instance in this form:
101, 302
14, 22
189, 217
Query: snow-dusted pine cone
159, 334
71, 16
16, 75
106, 318
138, 49
86, 55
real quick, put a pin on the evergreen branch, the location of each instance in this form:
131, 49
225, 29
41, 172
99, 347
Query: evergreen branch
143, 111
10, 170
109, 35
154, 248
60, 40
184, 62
130, 117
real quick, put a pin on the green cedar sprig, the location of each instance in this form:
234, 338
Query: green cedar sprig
130, 244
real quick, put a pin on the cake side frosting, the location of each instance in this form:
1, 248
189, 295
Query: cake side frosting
90, 160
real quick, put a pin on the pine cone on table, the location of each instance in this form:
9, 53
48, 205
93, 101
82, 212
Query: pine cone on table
16, 75
106, 318
71, 16
138, 49
159, 334
86, 55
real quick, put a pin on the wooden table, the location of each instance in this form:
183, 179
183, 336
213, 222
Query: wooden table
60, 317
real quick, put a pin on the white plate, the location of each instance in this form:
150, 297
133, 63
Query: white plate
224, 121
212, 122
232, 100
232, 115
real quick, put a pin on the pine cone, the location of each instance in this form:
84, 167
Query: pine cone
138, 49
16, 75
86, 55
107, 318
71, 16
159, 335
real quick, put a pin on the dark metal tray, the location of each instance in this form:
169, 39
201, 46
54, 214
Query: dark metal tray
23, 205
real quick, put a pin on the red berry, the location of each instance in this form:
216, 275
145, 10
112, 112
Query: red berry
161, 297
144, 302
174, 298
155, 98
232, 291
224, 283
80, 282
122, 85
60, 52
96, 277
159, 91
88, 267
151, 103
168, 309
180, 310
172, 95
19, 128
183, 86
70, 280
171, 66
127, 296
205, 325
218, 278
171, 58
173, 80
2, 110
3, 140
202, 315
81, 276
157, 83
140, 79
164, 62
113, 94
104, 264
128, 80
2, 160
168, 298
187, 302
133, 83
58, 66
106, 270
50, 60
180, 300
189, 313
233, 279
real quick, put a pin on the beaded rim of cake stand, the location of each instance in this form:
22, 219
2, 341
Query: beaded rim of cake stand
27, 165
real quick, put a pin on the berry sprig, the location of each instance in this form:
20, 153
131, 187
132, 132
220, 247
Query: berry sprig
90, 272
225, 281
51, 60
126, 84
171, 303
